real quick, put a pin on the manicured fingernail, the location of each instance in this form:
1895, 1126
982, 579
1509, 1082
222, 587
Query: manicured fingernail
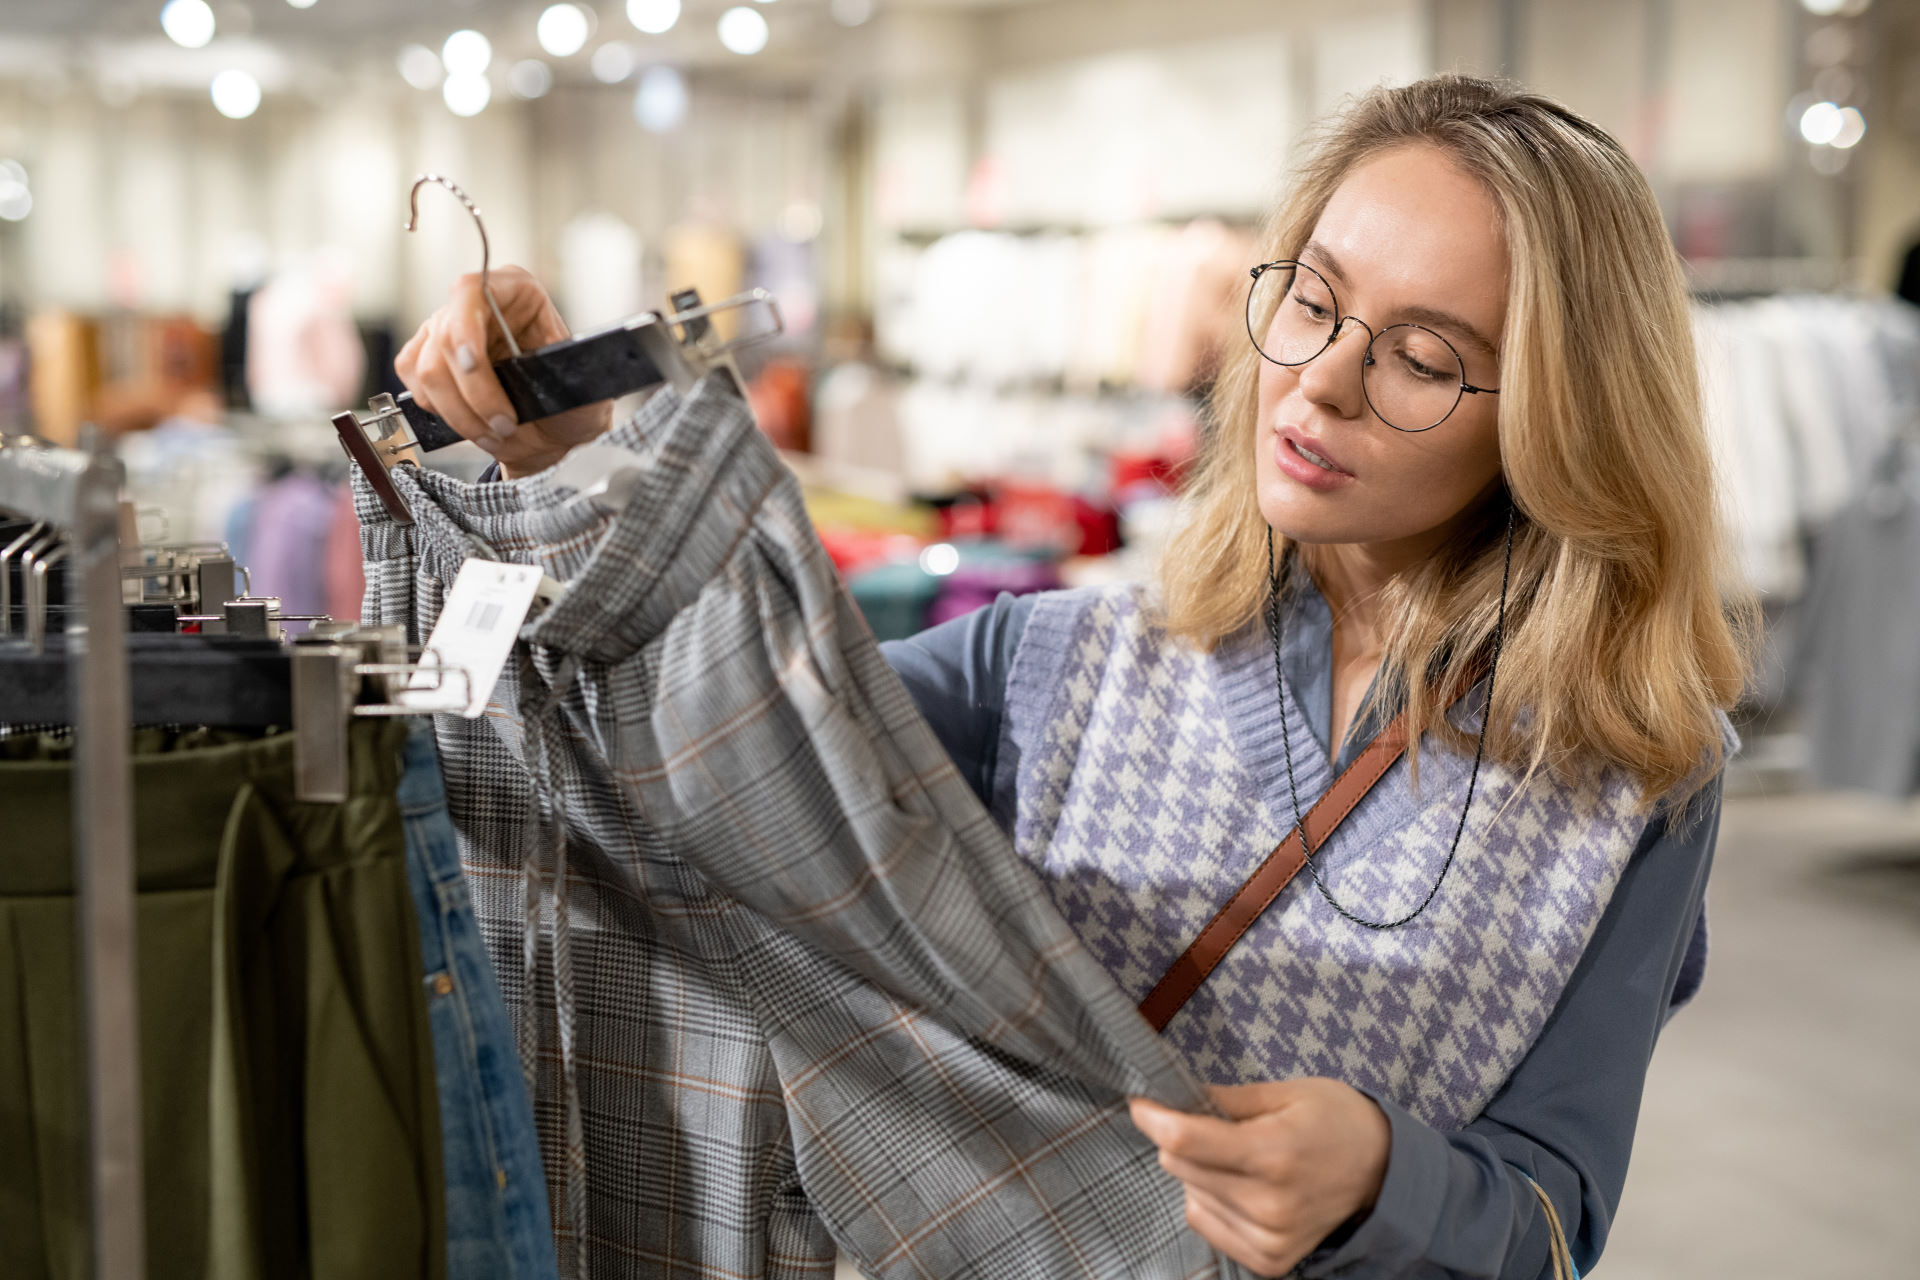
463, 356
490, 445
502, 426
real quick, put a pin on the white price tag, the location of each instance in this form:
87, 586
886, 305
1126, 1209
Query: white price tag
475, 633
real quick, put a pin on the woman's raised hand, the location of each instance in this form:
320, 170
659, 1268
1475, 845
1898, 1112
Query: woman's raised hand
1293, 1160
448, 365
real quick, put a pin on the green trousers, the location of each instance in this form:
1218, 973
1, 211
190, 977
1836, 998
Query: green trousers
290, 1120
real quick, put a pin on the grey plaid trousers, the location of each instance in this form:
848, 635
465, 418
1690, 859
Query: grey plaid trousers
802, 988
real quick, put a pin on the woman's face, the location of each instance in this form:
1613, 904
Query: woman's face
1406, 237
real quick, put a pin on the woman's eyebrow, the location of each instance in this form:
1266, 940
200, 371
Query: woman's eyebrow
1317, 250
1432, 317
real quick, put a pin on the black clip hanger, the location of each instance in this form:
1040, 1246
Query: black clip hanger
630, 356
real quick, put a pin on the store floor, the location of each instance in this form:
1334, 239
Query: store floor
1780, 1136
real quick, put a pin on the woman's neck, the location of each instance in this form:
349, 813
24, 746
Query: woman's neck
1353, 576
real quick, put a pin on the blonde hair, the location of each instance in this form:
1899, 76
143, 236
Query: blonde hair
1626, 628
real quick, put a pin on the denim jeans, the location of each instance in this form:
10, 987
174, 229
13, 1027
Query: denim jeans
497, 1222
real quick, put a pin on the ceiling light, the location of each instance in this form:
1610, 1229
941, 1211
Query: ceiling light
188, 23
466, 53
743, 30
467, 93
852, 13
1822, 8
655, 17
301, 4
612, 62
236, 95
16, 202
529, 78
563, 29
1853, 127
420, 67
661, 102
1820, 123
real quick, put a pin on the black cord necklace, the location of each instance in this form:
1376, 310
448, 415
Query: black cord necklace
1286, 736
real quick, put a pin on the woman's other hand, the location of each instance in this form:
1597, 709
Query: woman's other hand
448, 365
1293, 1160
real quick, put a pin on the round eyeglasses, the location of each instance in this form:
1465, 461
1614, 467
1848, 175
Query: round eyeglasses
1412, 377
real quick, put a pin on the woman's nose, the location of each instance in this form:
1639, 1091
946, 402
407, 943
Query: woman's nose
1332, 378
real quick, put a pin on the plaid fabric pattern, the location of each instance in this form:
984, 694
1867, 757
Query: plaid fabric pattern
813, 996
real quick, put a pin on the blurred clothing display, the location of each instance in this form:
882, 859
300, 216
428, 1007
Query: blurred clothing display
233, 349
65, 375
1147, 306
1113, 295
345, 584
1802, 393
193, 475
600, 273
1195, 313
304, 354
1857, 664
293, 523
709, 257
781, 396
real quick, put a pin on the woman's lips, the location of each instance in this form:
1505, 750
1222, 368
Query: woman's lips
1297, 466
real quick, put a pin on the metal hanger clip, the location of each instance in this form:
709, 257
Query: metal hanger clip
342, 671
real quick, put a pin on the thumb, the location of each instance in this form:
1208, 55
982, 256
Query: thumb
1245, 1101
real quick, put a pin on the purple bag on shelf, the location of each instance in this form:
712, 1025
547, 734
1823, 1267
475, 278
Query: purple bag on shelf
979, 583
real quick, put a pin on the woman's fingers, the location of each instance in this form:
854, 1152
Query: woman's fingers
524, 304
1264, 1252
434, 386
466, 323
1200, 1139
448, 366
1255, 1199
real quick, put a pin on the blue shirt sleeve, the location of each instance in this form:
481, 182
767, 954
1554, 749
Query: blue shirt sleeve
957, 675
1459, 1204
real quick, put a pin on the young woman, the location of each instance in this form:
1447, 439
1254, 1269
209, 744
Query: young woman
1458, 476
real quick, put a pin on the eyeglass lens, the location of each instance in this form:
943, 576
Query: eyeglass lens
1412, 376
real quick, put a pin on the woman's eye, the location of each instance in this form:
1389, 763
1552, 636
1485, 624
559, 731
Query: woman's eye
1419, 369
1314, 309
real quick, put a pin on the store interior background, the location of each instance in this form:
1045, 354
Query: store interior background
1008, 240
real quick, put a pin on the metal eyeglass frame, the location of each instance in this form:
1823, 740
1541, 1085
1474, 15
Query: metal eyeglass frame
1339, 322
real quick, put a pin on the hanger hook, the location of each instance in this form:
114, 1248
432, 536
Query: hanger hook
413, 218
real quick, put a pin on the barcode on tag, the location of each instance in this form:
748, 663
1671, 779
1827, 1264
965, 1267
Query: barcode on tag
483, 615
475, 635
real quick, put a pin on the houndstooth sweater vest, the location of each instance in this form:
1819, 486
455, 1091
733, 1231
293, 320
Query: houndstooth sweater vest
1145, 781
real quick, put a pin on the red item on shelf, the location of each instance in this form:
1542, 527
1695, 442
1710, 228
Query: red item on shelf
968, 516
780, 396
852, 550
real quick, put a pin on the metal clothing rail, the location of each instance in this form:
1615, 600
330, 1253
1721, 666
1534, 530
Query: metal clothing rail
78, 493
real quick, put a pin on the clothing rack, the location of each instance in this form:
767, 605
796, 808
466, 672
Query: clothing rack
77, 492
1726, 279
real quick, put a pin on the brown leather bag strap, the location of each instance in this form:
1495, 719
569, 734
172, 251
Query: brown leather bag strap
1272, 876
